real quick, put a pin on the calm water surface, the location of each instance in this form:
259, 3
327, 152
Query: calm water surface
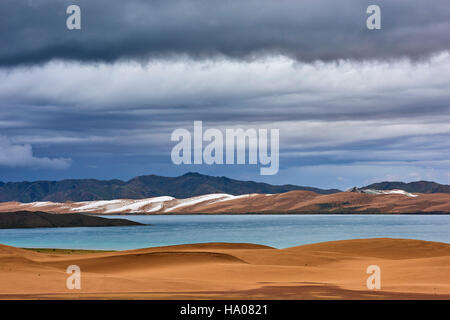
279, 231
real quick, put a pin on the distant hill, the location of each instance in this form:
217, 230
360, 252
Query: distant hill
300, 202
185, 186
417, 186
26, 219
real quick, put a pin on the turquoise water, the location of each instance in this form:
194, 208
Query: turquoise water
279, 231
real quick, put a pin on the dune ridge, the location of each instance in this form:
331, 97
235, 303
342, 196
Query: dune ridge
411, 269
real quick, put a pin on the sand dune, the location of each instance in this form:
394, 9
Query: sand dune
288, 202
411, 269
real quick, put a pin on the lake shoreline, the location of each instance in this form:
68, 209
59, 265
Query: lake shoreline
265, 213
280, 231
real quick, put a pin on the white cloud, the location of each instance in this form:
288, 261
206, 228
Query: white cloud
277, 86
17, 155
335, 113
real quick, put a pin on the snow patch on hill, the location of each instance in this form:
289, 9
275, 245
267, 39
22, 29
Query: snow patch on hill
200, 199
374, 191
122, 205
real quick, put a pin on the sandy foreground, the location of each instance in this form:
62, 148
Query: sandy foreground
410, 269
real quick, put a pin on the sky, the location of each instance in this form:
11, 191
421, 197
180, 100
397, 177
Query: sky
354, 106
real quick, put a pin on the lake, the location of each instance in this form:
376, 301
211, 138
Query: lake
278, 231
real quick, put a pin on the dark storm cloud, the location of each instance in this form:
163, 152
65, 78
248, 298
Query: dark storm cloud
35, 31
375, 108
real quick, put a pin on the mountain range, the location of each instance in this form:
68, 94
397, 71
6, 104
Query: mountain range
417, 186
185, 186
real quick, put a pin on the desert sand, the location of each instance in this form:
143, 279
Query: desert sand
410, 269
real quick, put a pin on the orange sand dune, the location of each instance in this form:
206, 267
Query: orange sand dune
410, 269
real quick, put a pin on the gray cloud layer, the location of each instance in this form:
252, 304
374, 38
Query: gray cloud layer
393, 116
34, 31
354, 106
